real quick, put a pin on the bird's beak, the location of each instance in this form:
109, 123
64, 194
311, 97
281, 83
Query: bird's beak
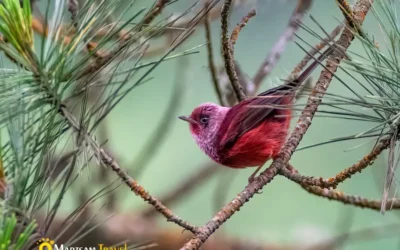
187, 119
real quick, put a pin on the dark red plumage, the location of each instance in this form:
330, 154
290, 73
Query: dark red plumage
256, 146
251, 132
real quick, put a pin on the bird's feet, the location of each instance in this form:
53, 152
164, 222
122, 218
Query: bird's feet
251, 179
253, 175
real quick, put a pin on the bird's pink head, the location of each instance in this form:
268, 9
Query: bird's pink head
204, 122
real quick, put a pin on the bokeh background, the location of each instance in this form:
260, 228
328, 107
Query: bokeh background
283, 213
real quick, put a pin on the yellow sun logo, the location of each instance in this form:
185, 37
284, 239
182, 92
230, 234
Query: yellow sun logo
45, 244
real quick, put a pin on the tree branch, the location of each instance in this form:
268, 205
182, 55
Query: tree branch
228, 210
239, 26
73, 7
188, 185
153, 13
275, 54
105, 159
344, 6
360, 10
357, 201
227, 52
343, 175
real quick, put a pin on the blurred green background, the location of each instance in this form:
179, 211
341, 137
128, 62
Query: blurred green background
283, 212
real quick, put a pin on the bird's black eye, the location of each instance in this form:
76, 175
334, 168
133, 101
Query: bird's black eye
204, 119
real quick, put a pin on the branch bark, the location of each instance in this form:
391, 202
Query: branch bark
239, 26
357, 201
343, 175
105, 159
227, 52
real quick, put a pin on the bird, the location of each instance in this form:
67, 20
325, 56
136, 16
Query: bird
251, 132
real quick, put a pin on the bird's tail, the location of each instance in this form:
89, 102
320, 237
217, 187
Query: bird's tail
307, 72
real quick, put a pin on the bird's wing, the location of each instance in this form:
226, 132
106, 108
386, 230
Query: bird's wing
242, 118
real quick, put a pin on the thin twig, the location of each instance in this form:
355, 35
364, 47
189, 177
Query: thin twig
390, 173
140, 191
157, 138
3, 182
239, 26
360, 10
188, 185
357, 201
123, 35
274, 55
39, 27
153, 13
3, 187
213, 11
345, 7
300, 66
101, 62
343, 175
73, 7
104, 177
105, 159
227, 52
224, 183
229, 209
245, 81
210, 57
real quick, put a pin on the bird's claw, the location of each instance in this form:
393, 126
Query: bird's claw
251, 179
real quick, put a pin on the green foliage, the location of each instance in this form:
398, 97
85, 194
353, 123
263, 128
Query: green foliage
376, 98
35, 97
16, 27
374, 91
8, 227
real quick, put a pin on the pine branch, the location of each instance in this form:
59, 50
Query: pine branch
300, 66
105, 159
80, 127
152, 146
154, 12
